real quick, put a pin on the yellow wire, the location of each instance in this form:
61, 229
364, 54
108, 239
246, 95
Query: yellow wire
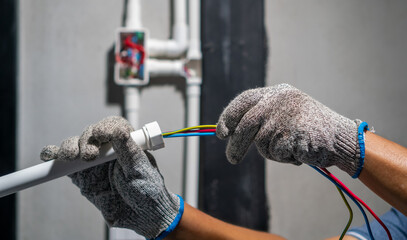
189, 128
350, 214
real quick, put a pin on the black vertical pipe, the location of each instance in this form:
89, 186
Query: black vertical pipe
7, 111
234, 59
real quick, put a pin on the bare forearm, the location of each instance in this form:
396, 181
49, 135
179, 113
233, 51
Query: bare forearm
385, 170
198, 225
346, 237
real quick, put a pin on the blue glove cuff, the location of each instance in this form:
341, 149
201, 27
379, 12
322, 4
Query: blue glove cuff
174, 224
361, 139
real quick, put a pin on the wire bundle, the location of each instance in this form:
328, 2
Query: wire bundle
324, 172
201, 130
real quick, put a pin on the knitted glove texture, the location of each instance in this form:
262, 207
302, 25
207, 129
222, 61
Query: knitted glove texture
129, 191
288, 126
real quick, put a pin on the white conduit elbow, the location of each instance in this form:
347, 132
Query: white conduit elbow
170, 48
177, 46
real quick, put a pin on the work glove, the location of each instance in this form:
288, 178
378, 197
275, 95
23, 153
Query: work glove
287, 125
129, 191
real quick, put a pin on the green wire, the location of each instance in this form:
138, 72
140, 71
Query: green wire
350, 214
189, 128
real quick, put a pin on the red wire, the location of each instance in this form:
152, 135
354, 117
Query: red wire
359, 200
140, 48
200, 130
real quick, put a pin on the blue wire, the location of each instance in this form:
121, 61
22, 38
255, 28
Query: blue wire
190, 134
353, 199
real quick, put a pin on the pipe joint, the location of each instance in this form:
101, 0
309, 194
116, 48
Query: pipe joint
194, 68
194, 81
193, 87
172, 48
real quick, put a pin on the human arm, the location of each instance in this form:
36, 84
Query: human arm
385, 170
346, 237
198, 225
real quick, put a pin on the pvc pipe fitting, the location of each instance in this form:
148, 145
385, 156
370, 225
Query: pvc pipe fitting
149, 137
177, 46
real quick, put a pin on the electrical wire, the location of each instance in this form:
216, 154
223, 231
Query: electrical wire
360, 200
350, 213
189, 134
190, 128
200, 130
350, 196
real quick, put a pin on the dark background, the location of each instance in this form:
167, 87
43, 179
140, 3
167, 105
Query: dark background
234, 59
7, 111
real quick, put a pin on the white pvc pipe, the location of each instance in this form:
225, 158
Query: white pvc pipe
193, 106
178, 45
133, 18
192, 144
44, 172
194, 51
180, 12
132, 100
148, 138
158, 68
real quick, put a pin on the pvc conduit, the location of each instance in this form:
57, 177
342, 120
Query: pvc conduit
180, 11
194, 51
158, 68
132, 104
133, 18
148, 138
192, 144
193, 105
44, 172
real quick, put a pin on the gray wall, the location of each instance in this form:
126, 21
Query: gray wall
352, 56
62, 87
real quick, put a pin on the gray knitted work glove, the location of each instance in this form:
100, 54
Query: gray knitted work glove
129, 191
289, 126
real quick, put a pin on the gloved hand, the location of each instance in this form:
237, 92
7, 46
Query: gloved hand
129, 191
289, 126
